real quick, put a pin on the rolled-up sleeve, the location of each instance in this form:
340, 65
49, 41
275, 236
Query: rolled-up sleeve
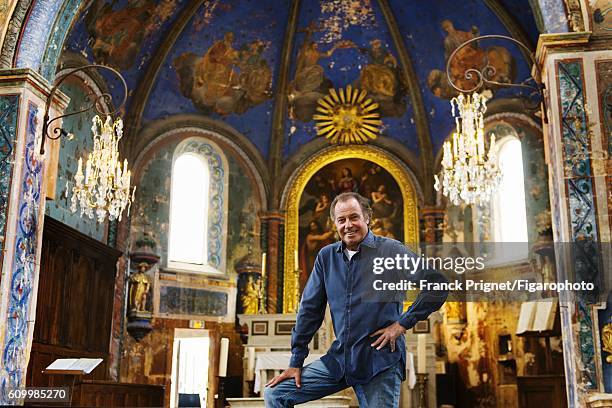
310, 315
428, 301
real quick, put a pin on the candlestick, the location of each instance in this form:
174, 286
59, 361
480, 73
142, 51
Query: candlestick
223, 357
263, 264
422, 390
421, 353
250, 362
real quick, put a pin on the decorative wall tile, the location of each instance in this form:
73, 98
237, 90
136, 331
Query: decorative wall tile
8, 129
581, 201
24, 263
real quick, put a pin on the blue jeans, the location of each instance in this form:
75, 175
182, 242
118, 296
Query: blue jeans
382, 391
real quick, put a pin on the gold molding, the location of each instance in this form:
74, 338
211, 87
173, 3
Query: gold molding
606, 339
305, 173
561, 42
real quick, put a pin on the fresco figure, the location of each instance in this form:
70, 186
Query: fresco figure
345, 183
470, 56
309, 83
382, 206
316, 239
226, 80
214, 74
117, 35
382, 80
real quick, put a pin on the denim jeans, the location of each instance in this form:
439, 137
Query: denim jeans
382, 391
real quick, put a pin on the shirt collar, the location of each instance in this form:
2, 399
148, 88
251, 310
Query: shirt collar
369, 241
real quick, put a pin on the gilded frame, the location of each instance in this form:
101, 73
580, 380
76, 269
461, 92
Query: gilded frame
303, 174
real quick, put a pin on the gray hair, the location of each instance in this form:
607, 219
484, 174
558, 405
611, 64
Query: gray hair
364, 203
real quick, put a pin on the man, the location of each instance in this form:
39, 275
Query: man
369, 353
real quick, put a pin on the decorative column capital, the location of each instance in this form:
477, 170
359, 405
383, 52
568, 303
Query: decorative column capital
559, 42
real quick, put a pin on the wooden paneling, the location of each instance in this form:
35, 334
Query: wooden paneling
75, 301
541, 391
112, 394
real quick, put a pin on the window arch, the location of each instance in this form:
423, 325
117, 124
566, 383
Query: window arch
508, 205
188, 210
198, 206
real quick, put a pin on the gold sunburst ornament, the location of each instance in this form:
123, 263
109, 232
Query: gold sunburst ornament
346, 116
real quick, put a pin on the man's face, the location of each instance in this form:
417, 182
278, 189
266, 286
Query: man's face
350, 222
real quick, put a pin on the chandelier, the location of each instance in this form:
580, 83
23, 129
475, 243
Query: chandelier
105, 186
469, 174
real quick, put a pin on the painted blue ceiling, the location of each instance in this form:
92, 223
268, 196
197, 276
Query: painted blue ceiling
245, 68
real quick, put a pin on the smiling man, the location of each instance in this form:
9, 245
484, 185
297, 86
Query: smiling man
369, 352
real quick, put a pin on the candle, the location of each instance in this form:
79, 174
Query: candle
87, 170
295, 260
223, 357
421, 353
263, 264
80, 169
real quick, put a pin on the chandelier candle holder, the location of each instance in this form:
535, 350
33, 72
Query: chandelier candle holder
469, 174
104, 188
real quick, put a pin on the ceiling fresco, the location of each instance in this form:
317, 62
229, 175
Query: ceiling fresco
122, 34
224, 65
225, 61
339, 44
431, 44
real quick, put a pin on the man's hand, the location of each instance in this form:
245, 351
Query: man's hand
291, 372
388, 335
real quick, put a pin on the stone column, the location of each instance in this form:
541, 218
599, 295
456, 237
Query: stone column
23, 94
271, 230
579, 189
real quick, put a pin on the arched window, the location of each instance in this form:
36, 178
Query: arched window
187, 246
197, 218
508, 202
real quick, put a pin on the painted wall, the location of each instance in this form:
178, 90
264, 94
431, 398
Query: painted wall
346, 53
224, 65
70, 152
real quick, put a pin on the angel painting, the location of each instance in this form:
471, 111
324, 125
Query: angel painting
472, 56
382, 80
310, 83
116, 36
226, 79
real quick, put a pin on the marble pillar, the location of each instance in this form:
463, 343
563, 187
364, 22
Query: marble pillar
23, 94
272, 229
579, 199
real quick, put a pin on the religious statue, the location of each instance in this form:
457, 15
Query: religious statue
250, 297
139, 288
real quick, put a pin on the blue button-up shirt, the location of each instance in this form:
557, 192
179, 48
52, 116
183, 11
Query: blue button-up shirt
356, 313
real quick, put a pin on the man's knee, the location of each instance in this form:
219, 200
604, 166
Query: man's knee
273, 397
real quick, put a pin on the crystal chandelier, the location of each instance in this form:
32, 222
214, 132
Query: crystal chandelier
105, 186
469, 175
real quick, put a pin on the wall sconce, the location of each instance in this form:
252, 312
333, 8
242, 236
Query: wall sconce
104, 188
